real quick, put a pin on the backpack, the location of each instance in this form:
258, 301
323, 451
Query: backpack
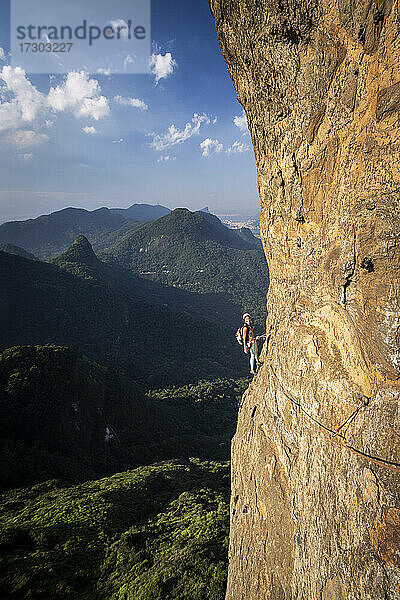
239, 336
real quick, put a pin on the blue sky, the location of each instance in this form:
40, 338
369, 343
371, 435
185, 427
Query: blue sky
107, 140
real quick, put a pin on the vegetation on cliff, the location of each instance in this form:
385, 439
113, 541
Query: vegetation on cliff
157, 532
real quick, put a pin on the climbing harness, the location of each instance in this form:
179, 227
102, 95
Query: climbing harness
337, 436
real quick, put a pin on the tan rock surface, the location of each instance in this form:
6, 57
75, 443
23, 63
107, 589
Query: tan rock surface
320, 83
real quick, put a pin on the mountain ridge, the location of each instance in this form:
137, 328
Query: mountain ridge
142, 212
201, 226
80, 251
48, 235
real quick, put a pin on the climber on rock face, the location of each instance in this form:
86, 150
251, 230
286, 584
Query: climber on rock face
250, 345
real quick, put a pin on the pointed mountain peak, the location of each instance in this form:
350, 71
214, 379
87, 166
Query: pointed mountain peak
80, 251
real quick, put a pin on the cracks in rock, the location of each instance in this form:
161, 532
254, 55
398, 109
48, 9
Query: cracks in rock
296, 168
346, 285
348, 270
282, 183
288, 452
316, 345
271, 334
361, 34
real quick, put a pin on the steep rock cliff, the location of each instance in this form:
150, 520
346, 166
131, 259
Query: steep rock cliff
315, 515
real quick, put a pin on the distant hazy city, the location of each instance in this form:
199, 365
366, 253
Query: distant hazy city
238, 221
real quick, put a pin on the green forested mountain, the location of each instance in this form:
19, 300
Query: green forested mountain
49, 235
196, 252
158, 531
153, 533
107, 315
66, 417
81, 261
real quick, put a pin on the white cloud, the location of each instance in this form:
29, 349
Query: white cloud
27, 156
176, 136
118, 141
161, 66
166, 158
10, 116
89, 129
135, 102
2, 54
24, 138
80, 95
210, 147
21, 103
26, 96
26, 104
241, 122
238, 148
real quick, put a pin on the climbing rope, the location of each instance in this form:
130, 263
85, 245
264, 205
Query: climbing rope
336, 435
364, 402
259, 337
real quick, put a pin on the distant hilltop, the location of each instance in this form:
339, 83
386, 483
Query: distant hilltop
142, 212
49, 235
